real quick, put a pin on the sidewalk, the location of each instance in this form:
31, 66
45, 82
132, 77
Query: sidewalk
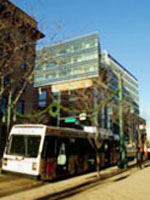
59, 187
134, 186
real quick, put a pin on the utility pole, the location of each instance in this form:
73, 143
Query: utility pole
122, 150
95, 113
131, 124
59, 102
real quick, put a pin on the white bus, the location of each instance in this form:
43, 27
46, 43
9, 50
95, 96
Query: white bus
47, 152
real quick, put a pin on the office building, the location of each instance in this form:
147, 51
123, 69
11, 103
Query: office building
76, 75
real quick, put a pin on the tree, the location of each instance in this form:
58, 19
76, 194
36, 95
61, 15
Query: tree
93, 101
18, 36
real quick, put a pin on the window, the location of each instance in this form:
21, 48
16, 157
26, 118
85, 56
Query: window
4, 104
2, 7
102, 117
1, 51
87, 45
5, 80
63, 51
23, 66
42, 99
21, 83
21, 107
24, 145
50, 145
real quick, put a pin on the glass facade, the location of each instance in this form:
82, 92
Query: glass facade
42, 99
68, 61
130, 83
21, 107
4, 104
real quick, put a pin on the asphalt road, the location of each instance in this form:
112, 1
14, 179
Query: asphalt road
17, 188
134, 185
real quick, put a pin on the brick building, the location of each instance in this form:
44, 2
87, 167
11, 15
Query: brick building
18, 37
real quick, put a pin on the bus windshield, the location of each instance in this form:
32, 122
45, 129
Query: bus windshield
24, 145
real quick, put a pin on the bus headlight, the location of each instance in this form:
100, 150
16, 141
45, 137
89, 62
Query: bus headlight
34, 166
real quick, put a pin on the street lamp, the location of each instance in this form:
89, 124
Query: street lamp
122, 149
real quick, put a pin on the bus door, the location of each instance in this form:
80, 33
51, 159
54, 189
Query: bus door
49, 158
54, 158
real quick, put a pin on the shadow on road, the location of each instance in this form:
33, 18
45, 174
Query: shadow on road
121, 178
147, 165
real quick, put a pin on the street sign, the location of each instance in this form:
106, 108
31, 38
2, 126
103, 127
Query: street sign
82, 116
90, 129
70, 120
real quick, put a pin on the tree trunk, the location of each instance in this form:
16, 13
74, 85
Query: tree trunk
98, 164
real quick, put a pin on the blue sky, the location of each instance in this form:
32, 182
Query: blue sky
123, 28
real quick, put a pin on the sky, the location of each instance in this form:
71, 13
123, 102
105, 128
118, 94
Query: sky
123, 28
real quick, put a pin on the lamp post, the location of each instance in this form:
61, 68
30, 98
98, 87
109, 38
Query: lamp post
138, 145
122, 150
131, 124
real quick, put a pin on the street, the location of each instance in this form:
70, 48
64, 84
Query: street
132, 186
13, 184
13, 187
114, 184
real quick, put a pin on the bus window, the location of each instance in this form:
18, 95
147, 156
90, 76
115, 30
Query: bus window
24, 145
50, 147
73, 146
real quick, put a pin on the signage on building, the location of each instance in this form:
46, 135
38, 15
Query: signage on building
72, 85
73, 60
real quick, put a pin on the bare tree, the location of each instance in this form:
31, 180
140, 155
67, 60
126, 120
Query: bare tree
18, 36
91, 101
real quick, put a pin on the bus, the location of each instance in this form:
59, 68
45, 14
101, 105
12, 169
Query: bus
46, 152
